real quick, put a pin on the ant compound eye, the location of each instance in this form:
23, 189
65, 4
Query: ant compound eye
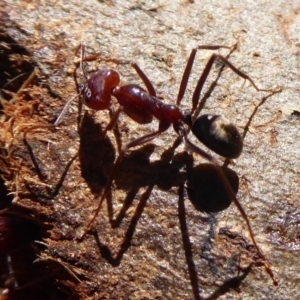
87, 93
219, 135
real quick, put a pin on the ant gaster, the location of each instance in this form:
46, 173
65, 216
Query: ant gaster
213, 131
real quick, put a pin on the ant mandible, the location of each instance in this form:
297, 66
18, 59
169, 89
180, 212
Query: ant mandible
215, 132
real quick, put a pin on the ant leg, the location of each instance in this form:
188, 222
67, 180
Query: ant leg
263, 100
82, 55
139, 71
83, 58
112, 121
66, 106
188, 68
137, 142
205, 74
231, 193
64, 110
145, 79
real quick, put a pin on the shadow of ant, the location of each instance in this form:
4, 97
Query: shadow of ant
202, 182
232, 283
204, 187
45, 192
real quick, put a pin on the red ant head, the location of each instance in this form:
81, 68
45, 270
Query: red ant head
97, 89
219, 135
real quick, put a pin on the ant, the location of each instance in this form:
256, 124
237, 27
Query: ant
214, 131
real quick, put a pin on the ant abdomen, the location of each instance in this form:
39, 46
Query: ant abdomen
98, 88
219, 135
